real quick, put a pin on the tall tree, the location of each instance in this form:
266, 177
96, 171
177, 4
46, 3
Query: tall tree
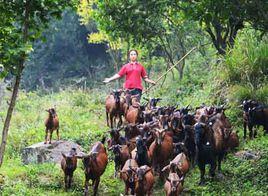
23, 22
154, 24
222, 19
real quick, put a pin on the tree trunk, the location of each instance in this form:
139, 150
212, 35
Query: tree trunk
8, 117
16, 85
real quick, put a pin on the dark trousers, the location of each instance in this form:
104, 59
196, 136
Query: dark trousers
134, 91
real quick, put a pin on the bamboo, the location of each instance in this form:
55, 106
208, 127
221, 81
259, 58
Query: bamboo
170, 69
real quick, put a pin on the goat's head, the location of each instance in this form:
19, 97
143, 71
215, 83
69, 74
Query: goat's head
153, 102
159, 135
179, 147
131, 175
141, 147
116, 149
70, 158
52, 112
116, 94
115, 132
164, 121
174, 181
184, 111
141, 172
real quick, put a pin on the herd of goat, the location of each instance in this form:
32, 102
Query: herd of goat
164, 141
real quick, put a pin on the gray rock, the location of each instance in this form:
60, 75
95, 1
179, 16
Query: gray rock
40, 152
247, 155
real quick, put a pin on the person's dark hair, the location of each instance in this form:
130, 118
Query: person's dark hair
131, 51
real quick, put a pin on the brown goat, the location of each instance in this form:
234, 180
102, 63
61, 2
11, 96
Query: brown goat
128, 176
114, 108
94, 165
145, 181
173, 185
161, 150
121, 155
134, 112
68, 165
51, 123
180, 164
233, 141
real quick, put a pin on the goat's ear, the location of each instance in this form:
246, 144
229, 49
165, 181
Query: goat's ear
148, 169
122, 172
132, 169
81, 155
94, 155
175, 144
181, 179
165, 168
47, 110
64, 156
168, 180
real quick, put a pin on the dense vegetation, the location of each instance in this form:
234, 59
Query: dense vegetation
63, 69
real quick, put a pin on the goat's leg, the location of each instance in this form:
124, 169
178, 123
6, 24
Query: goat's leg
120, 120
70, 180
58, 135
107, 118
46, 136
111, 121
220, 157
126, 189
202, 173
50, 136
250, 128
96, 185
245, 129
265, 129
213, 166
86, 185
66, 181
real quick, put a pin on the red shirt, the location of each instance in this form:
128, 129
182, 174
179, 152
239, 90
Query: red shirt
133, 72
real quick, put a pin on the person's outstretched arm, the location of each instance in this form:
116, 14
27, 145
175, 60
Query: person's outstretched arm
114, 77
146, 79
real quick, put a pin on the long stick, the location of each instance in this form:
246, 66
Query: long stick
170, 69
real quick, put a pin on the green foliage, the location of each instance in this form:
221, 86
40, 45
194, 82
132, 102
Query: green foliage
18, 31
65, 58
223, 19
245, 68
